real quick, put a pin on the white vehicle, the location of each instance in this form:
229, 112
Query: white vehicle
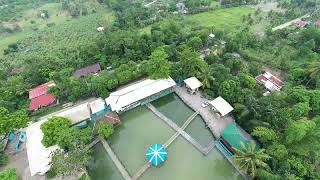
205, 104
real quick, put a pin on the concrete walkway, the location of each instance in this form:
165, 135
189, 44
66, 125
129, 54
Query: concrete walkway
289, 23
215, 123
116, 161
175, 127
62, 110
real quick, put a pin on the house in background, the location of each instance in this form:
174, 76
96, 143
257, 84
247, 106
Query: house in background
317, 22
301, 23
40, 97
270, 82
95, 68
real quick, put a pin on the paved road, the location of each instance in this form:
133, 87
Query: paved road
284, 25
75, 105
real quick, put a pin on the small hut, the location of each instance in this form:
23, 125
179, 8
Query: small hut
193, 84
221, 106
113, 118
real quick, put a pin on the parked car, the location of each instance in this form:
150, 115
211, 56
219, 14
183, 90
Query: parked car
205, 104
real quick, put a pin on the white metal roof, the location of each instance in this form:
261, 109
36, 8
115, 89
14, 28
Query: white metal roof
97, 105
221, 105
131, 94
39, 156
193, 83
212, 35
76, 114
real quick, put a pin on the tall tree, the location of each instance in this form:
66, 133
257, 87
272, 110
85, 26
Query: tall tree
70, 163
190, 62
158, 66
249, 158
206, 77
11, 121
314, 71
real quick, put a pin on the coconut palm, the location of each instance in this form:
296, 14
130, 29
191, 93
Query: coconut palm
206, 77
249, 158
314, 70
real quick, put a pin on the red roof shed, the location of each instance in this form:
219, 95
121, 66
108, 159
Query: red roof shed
95, 68
40, 97
41, 101
40, 90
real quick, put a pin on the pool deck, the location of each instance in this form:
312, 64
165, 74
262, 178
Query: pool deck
215, 123
116, 160
178, 129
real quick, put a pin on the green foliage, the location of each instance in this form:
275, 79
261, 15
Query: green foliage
158, 65
8, 174
53, 129
249, 159
190, 63
105, 130
278, 151
11, 121
3, 156
57, 131
70, 163
195, 42
206, 77
265, 134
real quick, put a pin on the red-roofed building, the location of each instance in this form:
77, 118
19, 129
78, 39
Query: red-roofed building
301, 23
317, 23
39, 96
270, 82
95, 68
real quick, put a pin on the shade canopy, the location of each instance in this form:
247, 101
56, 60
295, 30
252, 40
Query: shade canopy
193, 83
156, 154
221, 105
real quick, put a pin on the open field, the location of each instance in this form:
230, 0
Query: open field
30, 23
229, 18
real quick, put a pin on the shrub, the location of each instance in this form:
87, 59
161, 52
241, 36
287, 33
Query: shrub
8, 174
105, 130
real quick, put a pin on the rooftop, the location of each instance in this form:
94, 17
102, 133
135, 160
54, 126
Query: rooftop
270, 81
193, 83
97, 105
120, 99
221, 105
41, 101
76, 114
95, 68
38, 155
40, 90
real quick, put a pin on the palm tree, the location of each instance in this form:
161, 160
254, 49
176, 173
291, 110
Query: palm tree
206, 77
249, 159
314, 70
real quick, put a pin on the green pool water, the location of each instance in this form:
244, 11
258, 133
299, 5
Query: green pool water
174, 108
185, 163
139, 129
199, 131
101, 167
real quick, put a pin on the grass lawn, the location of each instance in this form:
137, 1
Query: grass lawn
229, 18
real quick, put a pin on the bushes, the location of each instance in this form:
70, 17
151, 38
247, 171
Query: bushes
105, 130
53, 129
8, 174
